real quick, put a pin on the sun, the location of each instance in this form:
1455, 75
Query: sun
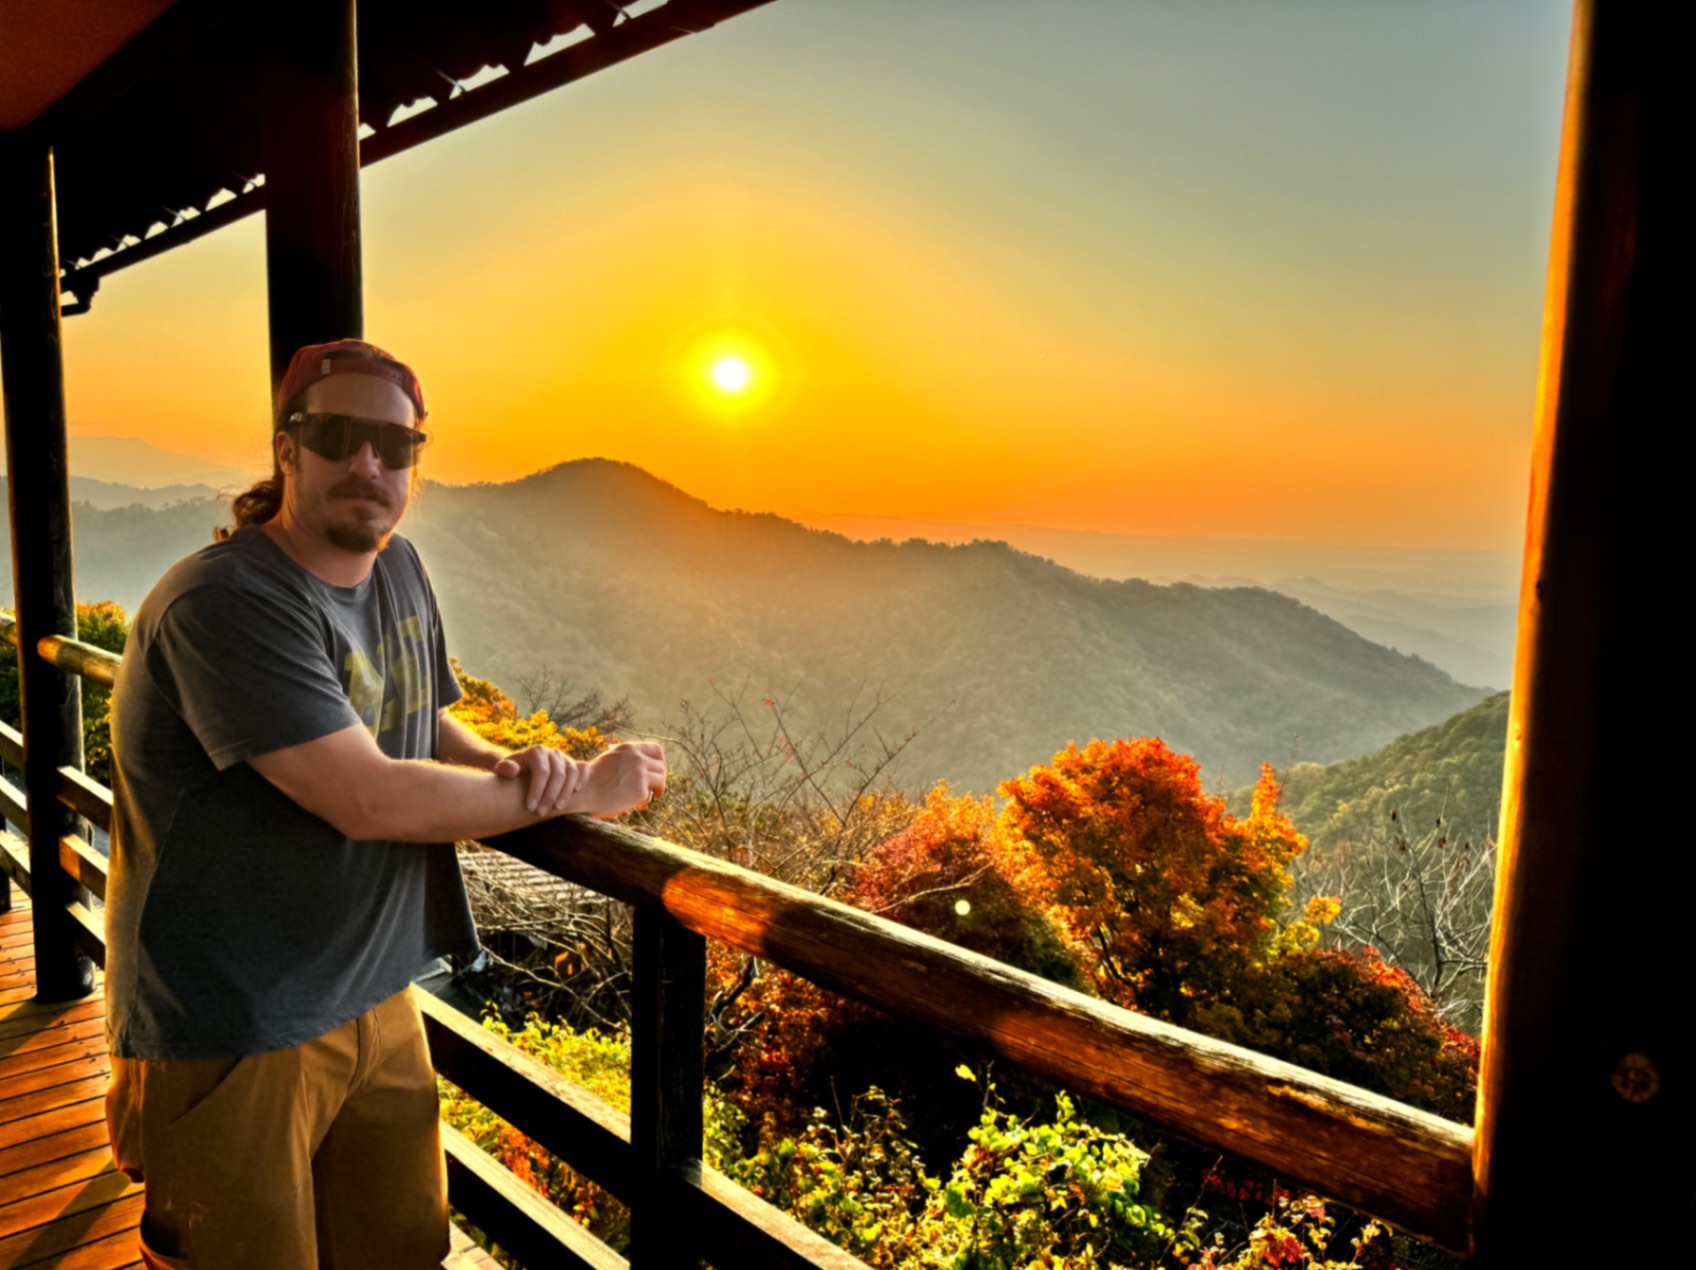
731, 374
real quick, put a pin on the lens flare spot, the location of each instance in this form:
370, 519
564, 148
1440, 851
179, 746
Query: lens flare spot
962, 907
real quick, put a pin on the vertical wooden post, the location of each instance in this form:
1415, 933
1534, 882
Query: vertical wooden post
667, 1080
32, 367
1585, 1087
310, 130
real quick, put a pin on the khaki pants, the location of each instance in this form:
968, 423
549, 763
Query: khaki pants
325, 1156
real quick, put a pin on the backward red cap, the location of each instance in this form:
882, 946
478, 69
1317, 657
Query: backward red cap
346, 357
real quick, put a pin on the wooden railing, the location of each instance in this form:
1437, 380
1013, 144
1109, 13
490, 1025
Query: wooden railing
1383, 1157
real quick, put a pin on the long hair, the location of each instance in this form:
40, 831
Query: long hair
262, 500
257, 504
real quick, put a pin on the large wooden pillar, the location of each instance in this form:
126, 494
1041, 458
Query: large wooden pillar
311, 155
39, 488
1582, 1152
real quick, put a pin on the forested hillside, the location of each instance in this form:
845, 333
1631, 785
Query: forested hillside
1404, 838
627, 584
1449, 772
621, 583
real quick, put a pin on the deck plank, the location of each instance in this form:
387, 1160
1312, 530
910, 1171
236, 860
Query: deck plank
42, 1101
89, 1063
52, 1122
39, 1151
115, 1252
40, 1243
87, 1029
46, 1207
78, 1167
41, 1057
24, 1017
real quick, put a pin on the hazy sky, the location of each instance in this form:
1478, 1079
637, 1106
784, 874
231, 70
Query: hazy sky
1236, 269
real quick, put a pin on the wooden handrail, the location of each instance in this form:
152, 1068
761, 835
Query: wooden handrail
1378, 1155
1374, 1153
73, 655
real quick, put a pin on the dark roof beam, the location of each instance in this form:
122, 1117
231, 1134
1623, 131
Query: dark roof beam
612, 42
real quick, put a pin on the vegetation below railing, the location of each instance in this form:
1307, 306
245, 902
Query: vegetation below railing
1049, 885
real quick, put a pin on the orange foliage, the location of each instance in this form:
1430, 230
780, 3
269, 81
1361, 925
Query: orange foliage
1357, 1019
948, 875
1173, 898
490, 713
944, 874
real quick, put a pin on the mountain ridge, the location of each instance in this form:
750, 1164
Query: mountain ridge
622, 582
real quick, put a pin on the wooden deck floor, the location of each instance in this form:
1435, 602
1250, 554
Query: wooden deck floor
62, 1204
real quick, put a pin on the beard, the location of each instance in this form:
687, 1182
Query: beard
359, 535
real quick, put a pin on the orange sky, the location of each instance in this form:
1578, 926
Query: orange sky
1185, 269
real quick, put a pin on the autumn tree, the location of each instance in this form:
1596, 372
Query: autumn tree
1356, 1018
1173, 898
802, 1047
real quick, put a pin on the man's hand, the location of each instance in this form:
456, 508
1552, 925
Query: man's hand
624, 778
555, 778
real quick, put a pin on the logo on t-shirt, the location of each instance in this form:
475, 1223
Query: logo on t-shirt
385, 691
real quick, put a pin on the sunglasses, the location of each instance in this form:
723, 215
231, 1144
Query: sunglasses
339, 437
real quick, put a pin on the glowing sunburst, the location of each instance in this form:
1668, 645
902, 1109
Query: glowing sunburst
731, 374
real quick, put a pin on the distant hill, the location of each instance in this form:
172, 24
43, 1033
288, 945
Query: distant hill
1452, 771
143, 465
1456, 608
626, 584
107, 495
629, 585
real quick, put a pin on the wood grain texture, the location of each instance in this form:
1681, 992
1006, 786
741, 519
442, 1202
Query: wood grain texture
114, 1252
75, 1167
59, 1237
89, 1136
68, 1072
87, 797
83, 1044
46, 1206
94, 664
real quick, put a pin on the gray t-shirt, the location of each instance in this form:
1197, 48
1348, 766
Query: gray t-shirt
237, 922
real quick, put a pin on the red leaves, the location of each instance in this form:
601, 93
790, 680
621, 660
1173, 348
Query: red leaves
1172, 896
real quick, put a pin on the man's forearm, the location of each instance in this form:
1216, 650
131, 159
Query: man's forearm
346, 780
421, 801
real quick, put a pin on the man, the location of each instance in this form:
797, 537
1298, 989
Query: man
289, 784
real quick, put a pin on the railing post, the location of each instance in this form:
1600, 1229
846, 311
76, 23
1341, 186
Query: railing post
667, 1079
1585, 1064
32, 368
310, 131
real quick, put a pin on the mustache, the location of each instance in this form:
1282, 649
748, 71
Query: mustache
353, 487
